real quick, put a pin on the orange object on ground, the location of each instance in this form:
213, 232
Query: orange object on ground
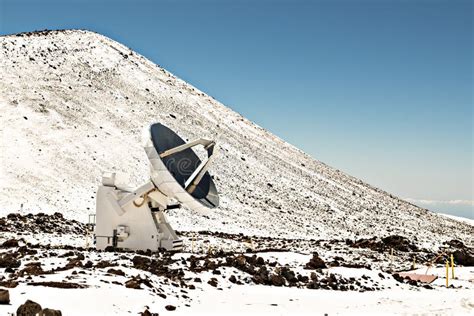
418, 277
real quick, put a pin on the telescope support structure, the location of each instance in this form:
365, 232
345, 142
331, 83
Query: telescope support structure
133, 220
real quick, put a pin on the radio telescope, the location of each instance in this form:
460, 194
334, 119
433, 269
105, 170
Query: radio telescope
135, 219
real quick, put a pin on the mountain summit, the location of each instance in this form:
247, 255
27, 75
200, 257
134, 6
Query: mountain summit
73, 105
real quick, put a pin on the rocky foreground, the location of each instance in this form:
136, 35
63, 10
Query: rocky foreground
211, 259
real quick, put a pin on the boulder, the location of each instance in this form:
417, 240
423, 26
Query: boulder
116, 272
212, 282
233, 279
455, 243
142, 263
146, 312
260, 261
50, 312
10, 243
8, 260
29, 308
464, 257
32, 268
9, 283
316, 263
133, 284
288, 274
277, 280
240, 261
4, 297
399, 243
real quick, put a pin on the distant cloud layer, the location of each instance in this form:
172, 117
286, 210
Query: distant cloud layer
437, 202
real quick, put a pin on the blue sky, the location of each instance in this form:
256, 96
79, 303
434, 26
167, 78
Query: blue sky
382, 90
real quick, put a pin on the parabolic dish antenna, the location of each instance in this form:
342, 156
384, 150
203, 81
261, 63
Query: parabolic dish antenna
176, 169
135, 219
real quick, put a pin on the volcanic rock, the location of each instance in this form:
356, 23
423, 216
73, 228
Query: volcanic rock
212, 282
146, 312
32, 268
315, 263
233, 279
277, 280
4, 297
464, 257
288, 274
50, 312
29, 308
9, 283
10, 243
116, 272
8, 260
399, 243
60, 285
142, 263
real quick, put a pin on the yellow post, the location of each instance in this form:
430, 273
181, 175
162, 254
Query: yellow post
447, 273
452, 266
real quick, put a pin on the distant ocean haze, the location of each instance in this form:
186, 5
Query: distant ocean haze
456, 208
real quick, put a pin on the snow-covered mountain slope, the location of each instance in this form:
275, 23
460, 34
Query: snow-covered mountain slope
73, 104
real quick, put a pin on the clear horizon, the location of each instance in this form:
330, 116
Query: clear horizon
379, 89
